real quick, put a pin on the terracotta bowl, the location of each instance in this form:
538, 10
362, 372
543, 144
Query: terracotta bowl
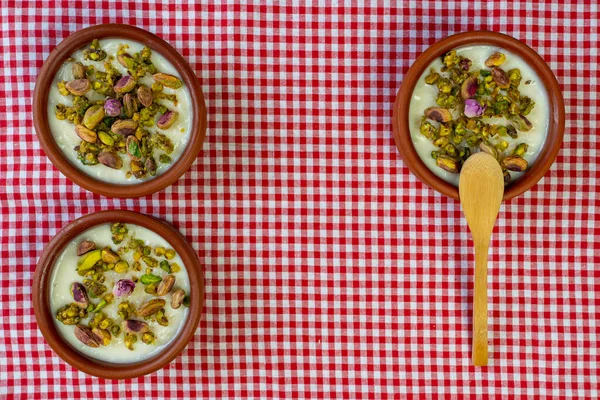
56, 59
45, 318
401, 108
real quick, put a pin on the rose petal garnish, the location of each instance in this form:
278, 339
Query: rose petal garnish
473, 108
123, 287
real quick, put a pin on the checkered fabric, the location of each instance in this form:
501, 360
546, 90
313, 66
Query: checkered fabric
331, 271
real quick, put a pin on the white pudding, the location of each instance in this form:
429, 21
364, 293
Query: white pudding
424, 96
63, 131
65, 273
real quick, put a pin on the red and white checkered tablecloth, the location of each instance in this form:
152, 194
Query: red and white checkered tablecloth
331, 271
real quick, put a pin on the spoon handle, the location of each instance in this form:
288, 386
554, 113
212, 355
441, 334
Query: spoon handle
480, 327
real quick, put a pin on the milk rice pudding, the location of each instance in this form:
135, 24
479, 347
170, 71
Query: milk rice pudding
119, 111
478, 98
119, 293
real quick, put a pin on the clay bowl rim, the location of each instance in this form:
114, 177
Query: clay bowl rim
556, 124
55, 60
45, 318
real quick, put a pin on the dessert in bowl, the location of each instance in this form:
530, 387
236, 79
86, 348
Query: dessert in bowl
118, 294
119, 111
479, 91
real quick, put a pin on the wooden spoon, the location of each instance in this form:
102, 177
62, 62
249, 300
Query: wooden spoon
481, 187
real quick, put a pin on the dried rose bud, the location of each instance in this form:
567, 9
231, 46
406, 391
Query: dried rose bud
123, 287
112, 107
473, 108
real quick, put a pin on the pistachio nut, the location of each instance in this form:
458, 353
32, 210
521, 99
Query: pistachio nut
147, 279
94, 289
78, 70
110, 159
115, 330
501, 78
432, 77
129, 340
170, 254
119, 231
86, 134
495, 60
469, 87
130, 105
85, 246
94, 52
102, 335
106, 138
167, 119
448, 163
167, 80
71, 314
124, 127
512, 131
135, 326
151, 262
86, 336
133, 148
103, 303
126, 60
521, 149
121, 267
137, 169
507, 177
175, 267
486, 148
177, 298
164, 265
515, 163
125, 84
150, 166
161, 318
145, 96
78, 87
109, 256
438, 114
88, 260
93, 116
502, 145
150, 289
112, 107
79, 293
165, 286
522, 123
148, 338
465, 64
151, 307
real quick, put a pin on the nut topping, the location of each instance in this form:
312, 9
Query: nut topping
85, 246
78, 87
151, 307
110, 159
165, 285
177, 298
86, 336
